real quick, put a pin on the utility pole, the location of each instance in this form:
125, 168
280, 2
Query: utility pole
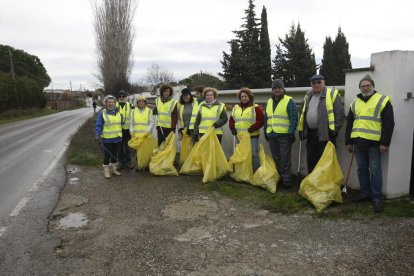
13, 78
70, 82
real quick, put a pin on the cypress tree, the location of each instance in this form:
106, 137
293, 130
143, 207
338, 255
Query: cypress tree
336, 58
342, 56
265, 52
294, 62
328, 66
242, 68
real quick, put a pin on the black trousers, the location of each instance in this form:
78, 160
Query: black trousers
162, 134
124, 152
110, 150
314, 148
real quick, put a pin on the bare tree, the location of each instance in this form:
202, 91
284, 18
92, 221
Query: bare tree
114, 42
157, 75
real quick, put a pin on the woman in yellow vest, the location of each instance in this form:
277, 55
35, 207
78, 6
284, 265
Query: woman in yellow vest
109, 128
248, 117
188, 109
211, 113
369, 130
167, 113
141, 124
281, 119
142, 119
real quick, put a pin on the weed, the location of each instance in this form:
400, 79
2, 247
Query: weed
83, 150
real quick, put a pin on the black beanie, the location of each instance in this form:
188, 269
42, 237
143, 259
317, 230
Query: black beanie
367, 78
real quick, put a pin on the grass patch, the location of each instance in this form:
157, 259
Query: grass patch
14, 115
279, 202
290, 202
83, 150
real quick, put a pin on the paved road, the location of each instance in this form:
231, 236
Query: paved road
29, 150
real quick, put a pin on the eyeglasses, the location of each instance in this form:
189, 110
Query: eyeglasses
316, 82
366, 86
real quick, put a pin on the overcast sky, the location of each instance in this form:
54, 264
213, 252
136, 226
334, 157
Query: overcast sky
187, 36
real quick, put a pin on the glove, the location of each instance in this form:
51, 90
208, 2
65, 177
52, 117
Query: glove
292, 138
266, 137
234, 131
301, 136
195, 138
181, 131
188, 132
250, 130
97, 139
333, 134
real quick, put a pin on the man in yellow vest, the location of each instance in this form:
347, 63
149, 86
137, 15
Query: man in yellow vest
322, 117
368, 133
125, 108
281, 119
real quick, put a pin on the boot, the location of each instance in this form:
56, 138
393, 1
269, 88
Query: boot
115, 170
107, 171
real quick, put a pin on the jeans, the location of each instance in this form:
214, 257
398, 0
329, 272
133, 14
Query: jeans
255, 153
281, 148
369, 171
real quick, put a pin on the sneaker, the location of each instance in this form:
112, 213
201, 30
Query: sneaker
378, 206
361, 198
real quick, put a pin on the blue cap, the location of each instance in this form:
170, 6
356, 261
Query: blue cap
317, 77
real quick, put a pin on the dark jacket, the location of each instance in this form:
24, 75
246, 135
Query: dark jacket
324, 132
292, 112
387, 126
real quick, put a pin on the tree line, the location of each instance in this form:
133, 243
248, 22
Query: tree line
22, 80
248, 62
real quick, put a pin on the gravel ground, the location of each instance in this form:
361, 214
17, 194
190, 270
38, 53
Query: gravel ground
138, 224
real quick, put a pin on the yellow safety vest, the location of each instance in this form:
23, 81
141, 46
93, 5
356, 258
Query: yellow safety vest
278, 121
164, 112
244, 119
112, 125
126, 113
193, 113
331, 95
367, 123
209, 116
141, 119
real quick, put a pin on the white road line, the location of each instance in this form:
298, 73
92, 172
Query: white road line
2, 230
55, 160
19, 207
35, 185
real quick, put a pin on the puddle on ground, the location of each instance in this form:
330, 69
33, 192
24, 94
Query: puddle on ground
73, 180
73, 220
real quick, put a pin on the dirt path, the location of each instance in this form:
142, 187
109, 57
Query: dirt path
138, 224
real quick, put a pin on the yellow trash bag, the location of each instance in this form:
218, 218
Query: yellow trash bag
207, 157
266, 176
241, 161
186, 147
323, 184
144, 144
162, 159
